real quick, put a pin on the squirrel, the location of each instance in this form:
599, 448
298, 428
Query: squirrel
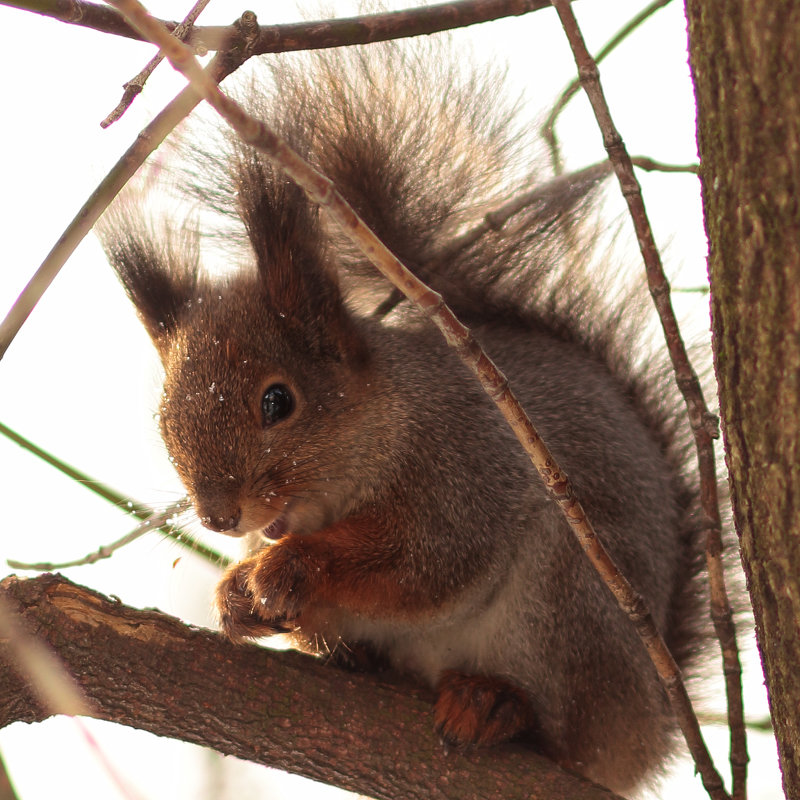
306, 407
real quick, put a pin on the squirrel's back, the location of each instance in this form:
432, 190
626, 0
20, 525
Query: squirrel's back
304, 400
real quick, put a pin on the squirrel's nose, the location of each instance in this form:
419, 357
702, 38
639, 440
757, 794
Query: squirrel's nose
221, 523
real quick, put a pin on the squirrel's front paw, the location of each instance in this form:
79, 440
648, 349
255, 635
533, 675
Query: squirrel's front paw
262, 595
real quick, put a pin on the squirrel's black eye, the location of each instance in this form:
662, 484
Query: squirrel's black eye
276, 404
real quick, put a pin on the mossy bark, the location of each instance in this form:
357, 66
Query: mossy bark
745, 60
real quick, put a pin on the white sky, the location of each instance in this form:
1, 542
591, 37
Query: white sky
81, 380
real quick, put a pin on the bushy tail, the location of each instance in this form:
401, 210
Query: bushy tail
423, 148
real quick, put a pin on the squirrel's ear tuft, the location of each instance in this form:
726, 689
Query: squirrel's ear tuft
159, 274
284, 231
299, 281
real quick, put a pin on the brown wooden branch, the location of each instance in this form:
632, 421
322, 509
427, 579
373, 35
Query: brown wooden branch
704, 425
283, 709
134, 86
224, 63
53, 687
548, 129
321, 191
301, 35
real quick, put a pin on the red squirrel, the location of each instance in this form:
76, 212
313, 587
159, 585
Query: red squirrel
305, 406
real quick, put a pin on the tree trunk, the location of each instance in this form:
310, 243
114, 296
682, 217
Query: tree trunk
746, 66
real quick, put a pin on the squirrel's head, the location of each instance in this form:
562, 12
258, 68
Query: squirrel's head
263, 371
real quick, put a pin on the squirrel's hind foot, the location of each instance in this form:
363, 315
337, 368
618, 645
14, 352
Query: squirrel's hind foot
479, 710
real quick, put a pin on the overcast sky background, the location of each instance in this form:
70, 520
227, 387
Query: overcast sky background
82, 380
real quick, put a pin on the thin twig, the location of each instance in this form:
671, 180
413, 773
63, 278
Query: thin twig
704, 426
146, 142
763, 725
651, 165
301, 35
322, 191
158, 520
548, 130
135, 85
496, 219
691, 289
130, 507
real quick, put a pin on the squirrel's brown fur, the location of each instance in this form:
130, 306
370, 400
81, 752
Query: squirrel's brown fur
404, 514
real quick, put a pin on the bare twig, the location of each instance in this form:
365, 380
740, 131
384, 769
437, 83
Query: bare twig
548, 130
764, 724
130, 507
146, 142
302, 35
651, 165
322, 191
691, 289
135, 85
704, 426
157, 521
497, 218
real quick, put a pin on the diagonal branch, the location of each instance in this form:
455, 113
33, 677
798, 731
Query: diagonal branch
150, 518
283, 709
704, 424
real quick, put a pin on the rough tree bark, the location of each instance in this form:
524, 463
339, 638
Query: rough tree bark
284, 709
746, 65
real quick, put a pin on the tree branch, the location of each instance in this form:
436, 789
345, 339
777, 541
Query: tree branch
704, 427
283, 709
301, 35
134, 86
548, 130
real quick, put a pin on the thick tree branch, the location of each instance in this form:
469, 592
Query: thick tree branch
301, 35
287, 710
